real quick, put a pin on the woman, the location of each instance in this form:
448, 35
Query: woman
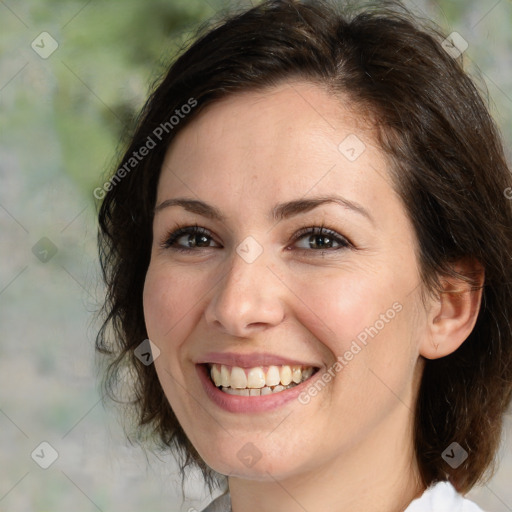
310, 225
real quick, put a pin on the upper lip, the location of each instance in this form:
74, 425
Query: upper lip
251, 360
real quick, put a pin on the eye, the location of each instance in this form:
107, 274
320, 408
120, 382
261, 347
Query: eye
316, 238
192, 236
320, 238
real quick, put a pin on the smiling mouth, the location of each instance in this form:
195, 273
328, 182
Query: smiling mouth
259, 380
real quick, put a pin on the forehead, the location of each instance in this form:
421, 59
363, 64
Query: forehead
280, 143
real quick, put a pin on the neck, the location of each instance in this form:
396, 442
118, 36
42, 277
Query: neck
379, 475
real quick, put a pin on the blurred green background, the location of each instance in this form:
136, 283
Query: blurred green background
61, 119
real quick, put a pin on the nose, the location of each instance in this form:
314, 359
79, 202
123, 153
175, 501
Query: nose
249, 298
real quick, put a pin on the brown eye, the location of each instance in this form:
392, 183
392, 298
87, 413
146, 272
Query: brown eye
321, 238
188, 238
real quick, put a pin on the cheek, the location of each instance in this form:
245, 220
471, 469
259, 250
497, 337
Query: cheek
341, 307
369, 336
363, 320
169, 298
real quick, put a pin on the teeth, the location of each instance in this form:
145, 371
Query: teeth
286, 375
225, 376
272, 378
256, 378
307, 373
254, 381
256, 392
238, 378
216, 375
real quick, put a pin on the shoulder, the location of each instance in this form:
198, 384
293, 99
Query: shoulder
442, 497
220, 504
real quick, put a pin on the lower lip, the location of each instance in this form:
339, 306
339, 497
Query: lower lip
245, 404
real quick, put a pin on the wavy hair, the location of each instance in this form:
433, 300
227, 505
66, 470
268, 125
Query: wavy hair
447, 165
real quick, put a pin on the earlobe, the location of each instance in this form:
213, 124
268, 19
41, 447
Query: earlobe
454, 312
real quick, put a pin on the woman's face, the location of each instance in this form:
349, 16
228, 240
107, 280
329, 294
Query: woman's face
266, 294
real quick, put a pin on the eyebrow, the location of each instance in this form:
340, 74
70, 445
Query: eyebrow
279, 212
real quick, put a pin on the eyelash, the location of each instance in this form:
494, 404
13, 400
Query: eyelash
179, 231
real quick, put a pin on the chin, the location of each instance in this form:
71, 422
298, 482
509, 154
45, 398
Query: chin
249, 460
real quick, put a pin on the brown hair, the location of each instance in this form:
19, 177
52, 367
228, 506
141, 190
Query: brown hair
448, 166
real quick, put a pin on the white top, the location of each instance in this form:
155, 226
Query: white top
440, 497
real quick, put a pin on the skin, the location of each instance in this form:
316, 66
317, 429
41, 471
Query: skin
350, 448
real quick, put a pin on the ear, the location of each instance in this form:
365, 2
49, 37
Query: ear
453, 314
